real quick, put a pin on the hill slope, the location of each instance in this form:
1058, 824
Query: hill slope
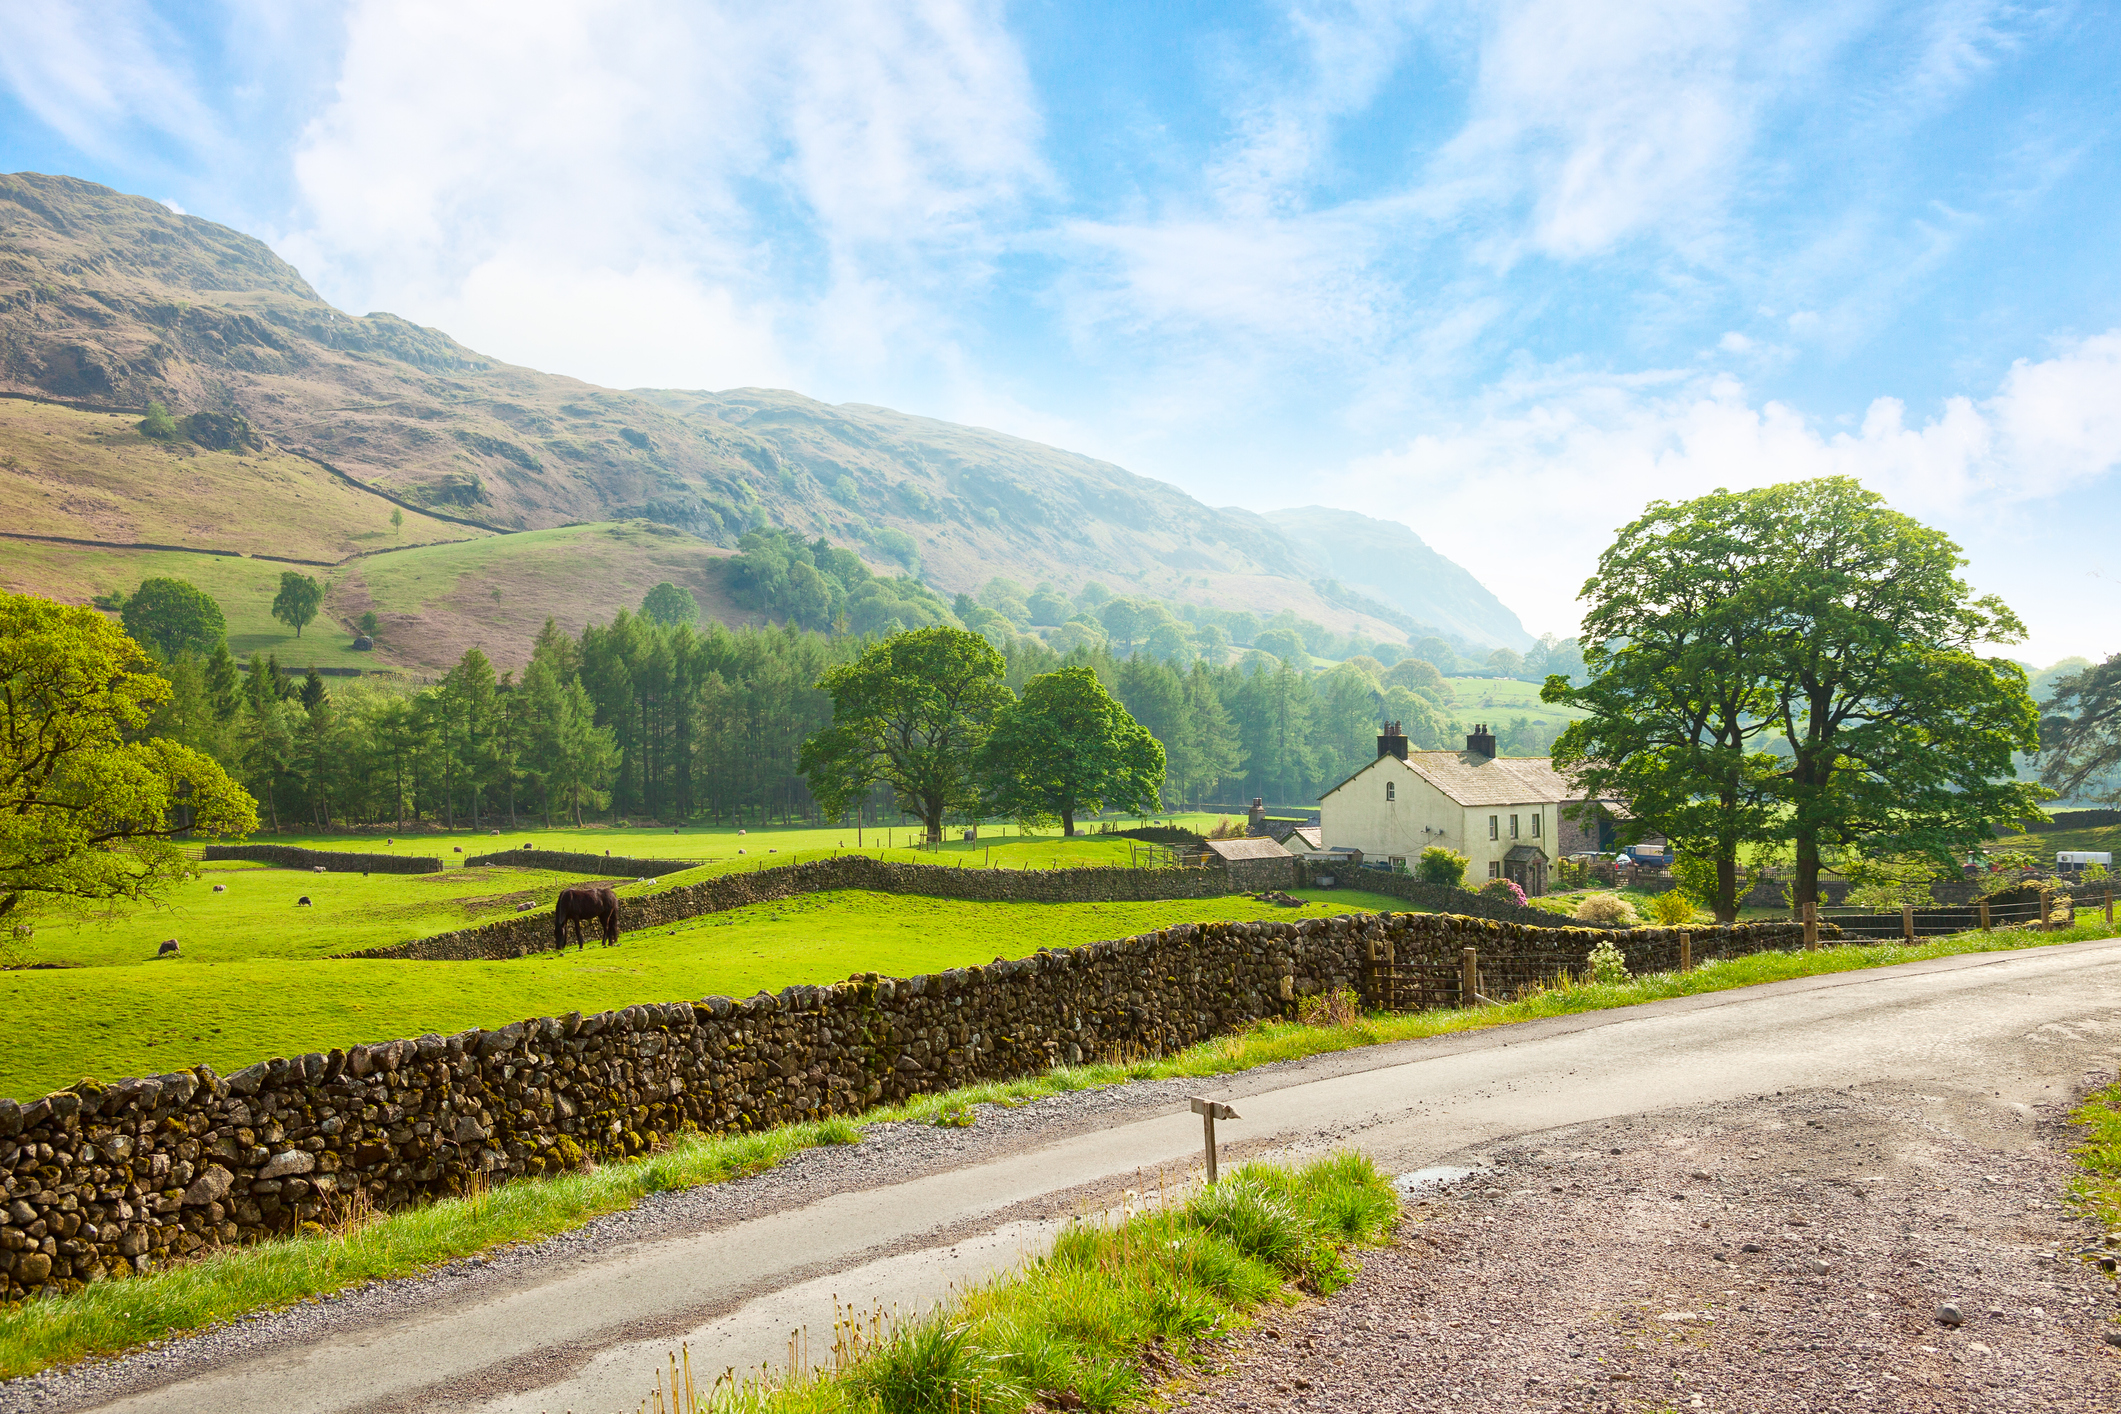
108, 301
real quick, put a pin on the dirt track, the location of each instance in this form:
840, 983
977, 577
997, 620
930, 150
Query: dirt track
1605, 1267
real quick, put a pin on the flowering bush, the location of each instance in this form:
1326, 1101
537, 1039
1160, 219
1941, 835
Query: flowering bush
1607, 967
1504, 889
1671, 908
1610, 910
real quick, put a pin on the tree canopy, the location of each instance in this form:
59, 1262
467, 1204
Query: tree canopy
172, 617
88, 805
2080, 738
1067, 748
669, 604
1813, 617
296, 603
911, 713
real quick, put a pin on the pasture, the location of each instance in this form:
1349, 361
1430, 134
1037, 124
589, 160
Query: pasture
254, 977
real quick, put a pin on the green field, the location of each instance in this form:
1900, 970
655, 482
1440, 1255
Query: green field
1506, 697
254, 977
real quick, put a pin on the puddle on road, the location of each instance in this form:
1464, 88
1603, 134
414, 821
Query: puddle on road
1431, 1178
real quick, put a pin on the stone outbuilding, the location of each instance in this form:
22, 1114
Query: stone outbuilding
1502, 812
1255, 864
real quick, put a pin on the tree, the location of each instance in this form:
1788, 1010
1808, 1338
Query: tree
173, 617
397, 520
1436, 651
367, 623
1506, 663
1679, 698
1048, 608
1897, 737
668, 604
296, 603
911, 713
2080, 738
159, 425
1286, 644
1125, 622
1419, 675
1067, 748
88, 808
223, 683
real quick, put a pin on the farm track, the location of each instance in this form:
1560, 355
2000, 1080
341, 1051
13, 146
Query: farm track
577, 1322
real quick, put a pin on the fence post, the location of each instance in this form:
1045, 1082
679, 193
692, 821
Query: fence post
1907, 923
2044, 925
1984, 915
2109, 905
1686, 952
1469, 978
1811, 924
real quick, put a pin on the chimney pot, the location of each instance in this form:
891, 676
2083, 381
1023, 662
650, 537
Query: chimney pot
1480, 741
1391, 742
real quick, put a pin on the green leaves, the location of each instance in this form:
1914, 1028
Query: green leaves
87, 808
1068, 748
173, 617
912, 712
1797, 662
296, 603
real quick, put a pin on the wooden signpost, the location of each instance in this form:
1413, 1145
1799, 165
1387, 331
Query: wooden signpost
1209, 1112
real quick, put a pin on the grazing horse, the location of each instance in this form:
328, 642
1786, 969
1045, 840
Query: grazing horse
579, 901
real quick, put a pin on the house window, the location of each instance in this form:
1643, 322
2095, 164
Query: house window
1535, 824
1494, 827
1513, 827
1494, 869
1391, 787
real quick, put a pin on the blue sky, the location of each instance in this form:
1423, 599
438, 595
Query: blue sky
1502, 272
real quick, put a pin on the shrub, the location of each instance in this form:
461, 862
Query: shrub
1608, 910
159, 425
1442, 865
1672, 908
1504, 889
1605, 964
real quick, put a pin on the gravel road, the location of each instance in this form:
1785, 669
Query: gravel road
1784, 1254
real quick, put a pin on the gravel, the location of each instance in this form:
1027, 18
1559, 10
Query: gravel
888, 1154
1797, 1253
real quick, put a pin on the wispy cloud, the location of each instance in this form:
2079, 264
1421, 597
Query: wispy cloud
103, 75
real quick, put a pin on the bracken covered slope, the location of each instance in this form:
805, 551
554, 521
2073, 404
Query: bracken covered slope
108, 301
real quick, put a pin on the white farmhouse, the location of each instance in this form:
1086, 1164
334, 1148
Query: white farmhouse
1502, 813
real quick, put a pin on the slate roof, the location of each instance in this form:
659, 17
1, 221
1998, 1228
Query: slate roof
1309, 837
1233, 850
1469, 779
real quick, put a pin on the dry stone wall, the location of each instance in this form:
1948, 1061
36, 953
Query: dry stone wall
568, 862
98, 1180
532, 932
332, 861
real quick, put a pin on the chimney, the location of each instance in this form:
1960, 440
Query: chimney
1257, 823
1480, 741
1391, 742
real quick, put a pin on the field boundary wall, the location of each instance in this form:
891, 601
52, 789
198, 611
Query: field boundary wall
332, 861
1441, 898
570, 862
101, 1180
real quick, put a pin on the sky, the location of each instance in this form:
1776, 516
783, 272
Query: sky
1505, 273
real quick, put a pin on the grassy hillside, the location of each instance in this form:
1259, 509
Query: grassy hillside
93, 476
108, 301
241, 991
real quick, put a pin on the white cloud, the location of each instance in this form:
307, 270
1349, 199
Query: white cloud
99, 73
1528, 492
707, 190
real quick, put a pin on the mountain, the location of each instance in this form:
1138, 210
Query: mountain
108, 302
1387, 561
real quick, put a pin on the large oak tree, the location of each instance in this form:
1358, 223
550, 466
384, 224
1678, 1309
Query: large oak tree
1068, 748
911, 713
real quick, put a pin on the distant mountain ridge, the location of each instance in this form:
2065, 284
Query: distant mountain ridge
112, 300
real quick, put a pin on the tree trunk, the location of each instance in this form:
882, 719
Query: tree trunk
1806, 889
1068, 823
935, 827
1726, 886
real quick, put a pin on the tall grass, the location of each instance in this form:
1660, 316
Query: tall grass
1095, 1323
114, 1316
2098, 1187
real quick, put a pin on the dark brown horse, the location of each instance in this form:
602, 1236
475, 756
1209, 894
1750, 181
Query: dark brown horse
579, 901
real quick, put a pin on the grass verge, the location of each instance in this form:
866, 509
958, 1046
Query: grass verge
2098, 1187
1112, 1310
115, 1316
